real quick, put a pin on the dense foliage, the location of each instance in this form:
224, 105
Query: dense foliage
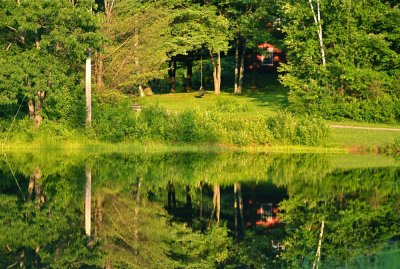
43, 45
342, 62
351, 70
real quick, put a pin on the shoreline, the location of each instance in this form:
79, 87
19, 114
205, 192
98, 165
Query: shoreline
154, 147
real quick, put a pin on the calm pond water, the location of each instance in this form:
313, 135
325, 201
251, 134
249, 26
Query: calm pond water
199, 210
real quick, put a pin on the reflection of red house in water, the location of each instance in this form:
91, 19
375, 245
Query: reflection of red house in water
261, 214
267, 215
260, 205
268, 58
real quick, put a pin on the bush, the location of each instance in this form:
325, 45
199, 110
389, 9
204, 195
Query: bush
244, 132
228, 105
385, 109
158, 123
304, 131
115, 121
196, 126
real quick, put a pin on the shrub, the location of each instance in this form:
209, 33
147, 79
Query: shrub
385, 109
282, 127
159, 123
112, 121
228, 105
243, 132
311, 132
196, 126
304, 131
116, 121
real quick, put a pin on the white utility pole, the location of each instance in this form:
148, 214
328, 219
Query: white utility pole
88, 89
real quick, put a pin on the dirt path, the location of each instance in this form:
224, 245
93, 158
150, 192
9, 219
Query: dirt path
366, 128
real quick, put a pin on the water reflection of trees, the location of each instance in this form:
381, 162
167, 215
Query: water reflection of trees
360, 210
42, 230
132, 226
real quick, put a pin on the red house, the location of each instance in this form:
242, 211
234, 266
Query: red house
268, 58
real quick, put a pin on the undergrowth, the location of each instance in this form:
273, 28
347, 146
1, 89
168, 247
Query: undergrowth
117, 122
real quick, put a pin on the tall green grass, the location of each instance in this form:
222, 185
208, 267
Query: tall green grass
193, 125
116, 122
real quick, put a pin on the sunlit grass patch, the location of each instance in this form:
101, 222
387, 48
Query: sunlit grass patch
363, 138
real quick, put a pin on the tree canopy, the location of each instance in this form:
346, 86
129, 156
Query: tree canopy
44, 44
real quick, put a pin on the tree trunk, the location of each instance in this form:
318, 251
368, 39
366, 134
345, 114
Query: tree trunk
88, 199
238, 205
216, 72
317, 22
34, 184
241, 70
189, 75
99, 70
31, 185
254, 77
139, 184
136, 216
235, 208
240, 202
201, 201
88, 90
171, 196
38, 190
31, 109
219, 71
141, 91
35, 107
215, 77
189, 205
108, 9
98, 215
172, 75
216, 205
236, 86
188, 198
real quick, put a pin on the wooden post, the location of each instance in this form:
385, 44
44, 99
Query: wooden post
88, 201
88, 89
318, 254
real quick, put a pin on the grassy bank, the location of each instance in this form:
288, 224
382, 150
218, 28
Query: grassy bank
103, 147
251, 121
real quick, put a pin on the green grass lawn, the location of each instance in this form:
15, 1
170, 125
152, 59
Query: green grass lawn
363, 138
257, 102
269, 97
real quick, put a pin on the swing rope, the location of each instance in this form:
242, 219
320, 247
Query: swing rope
201, 72
4, 153
201, 90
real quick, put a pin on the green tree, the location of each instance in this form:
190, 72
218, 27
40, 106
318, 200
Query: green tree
250, 24
341, 54
43, 49
140, 35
